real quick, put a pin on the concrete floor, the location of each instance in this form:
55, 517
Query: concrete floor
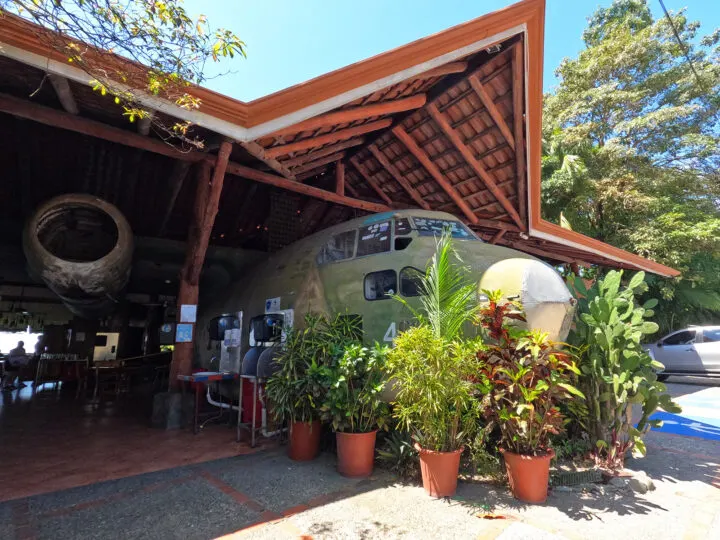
266, 496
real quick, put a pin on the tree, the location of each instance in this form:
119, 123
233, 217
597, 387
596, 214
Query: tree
159, 35
632, 150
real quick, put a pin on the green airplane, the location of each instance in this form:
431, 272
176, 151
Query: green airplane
354, 267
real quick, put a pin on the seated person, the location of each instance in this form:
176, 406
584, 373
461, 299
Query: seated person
16, 359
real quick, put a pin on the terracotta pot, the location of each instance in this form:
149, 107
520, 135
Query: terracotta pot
528, 475
439, 471
356, 453
304, 440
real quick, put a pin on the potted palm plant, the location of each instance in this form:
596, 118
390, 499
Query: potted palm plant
527, 377
432, 370
354, 407
297, 390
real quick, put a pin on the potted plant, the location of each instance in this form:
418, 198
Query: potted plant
431, 369
527, 377
297, 390
354, 407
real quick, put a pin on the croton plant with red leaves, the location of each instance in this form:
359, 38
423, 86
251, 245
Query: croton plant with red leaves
525, 375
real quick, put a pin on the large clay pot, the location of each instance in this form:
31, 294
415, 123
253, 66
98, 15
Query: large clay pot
304, 440
356, 453
528, 475
439, 471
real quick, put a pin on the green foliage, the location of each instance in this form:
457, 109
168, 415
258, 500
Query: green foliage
161, 36
631, 151
449, 299
297, 390
398, 454
355, 383
526, 377
615, 371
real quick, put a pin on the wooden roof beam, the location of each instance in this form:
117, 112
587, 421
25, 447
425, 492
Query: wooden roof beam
327, 138
345, 116
497, 236
63, 120
492, 109
328, 150
478, 167
398, 176
518, 72
258, 152
431, 168
319, 163
340, 178
370, 180
441, 71
311, 174
64, 93
311, 191
495, 224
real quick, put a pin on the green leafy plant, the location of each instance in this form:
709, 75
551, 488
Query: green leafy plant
616, 372
527, 377
398, 454
297, 390
355, 383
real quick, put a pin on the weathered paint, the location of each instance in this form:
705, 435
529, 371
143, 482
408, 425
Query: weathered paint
338, 287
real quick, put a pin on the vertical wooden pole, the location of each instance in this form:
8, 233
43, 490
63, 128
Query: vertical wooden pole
207, 200
340, 178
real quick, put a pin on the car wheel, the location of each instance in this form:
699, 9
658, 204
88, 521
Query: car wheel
663, 378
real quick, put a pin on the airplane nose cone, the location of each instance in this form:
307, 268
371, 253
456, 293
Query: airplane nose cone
547, 302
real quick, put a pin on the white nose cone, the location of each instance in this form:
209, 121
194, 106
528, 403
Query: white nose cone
547, 302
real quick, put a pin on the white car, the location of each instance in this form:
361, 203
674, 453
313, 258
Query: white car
692, 351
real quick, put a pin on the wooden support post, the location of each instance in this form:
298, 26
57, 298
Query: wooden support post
370, 180
297, 187
64, 93
492, 109
397, 175
340, 178
518, 90
206, 207
334, 136
476, 166
59, 119
431, 168
345, 116
177, 179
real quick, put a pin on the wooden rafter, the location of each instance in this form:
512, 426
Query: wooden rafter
478, 167
312, 173
176, 181
258, 152
312, 165
518, 71
340, 178
328, 150
492, 109
346, 116
64, 93
278, 181
398, 176
327, 138
432, 169
497, 236
495, 224
63, 120
441, 71
370, 180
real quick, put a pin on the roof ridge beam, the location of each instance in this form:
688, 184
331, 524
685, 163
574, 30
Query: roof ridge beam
478, 167
345, 116
431, 168
327, 138
398, 176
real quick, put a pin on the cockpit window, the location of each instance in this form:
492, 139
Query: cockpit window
380, 285
435, 227
402, 226
338, 248
374, 238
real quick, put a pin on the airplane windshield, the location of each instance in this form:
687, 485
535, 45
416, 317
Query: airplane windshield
435, 227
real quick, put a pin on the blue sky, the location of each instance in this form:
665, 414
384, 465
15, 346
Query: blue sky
290, 41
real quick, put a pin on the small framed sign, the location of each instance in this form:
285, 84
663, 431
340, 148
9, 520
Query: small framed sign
184, 333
